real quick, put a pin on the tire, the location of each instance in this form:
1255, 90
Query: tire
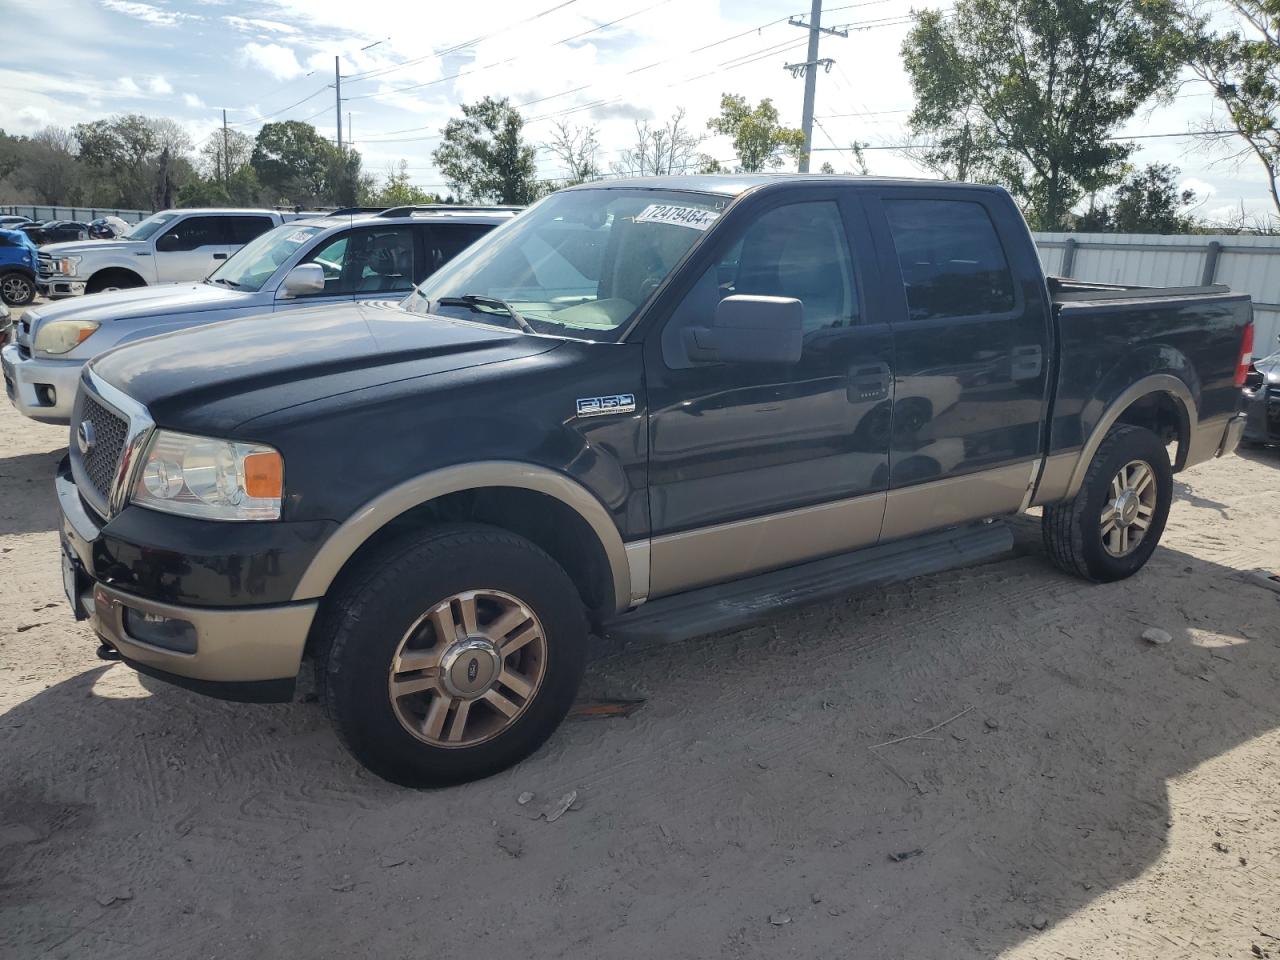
1073, 531
393, 611
113, 280
17, 289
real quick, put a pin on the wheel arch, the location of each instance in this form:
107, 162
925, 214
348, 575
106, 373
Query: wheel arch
1156, 396
553, 510
114, 270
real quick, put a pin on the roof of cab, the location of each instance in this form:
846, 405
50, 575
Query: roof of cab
733, 184
373, 219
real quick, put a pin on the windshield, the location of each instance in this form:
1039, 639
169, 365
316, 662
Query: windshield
149, 226
253, 264
579, 263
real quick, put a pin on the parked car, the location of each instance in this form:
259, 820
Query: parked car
12, 221
169, 247
17, 268
107, 228
1262, 401
6, 325
653, 407
305, 263
55, 231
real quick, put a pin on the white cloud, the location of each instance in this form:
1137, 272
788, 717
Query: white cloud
159, 85
1202, 188
145, 12
192, 101
277, 60
254, 25
33, 118
128, 86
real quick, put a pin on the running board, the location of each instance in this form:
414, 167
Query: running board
729, 605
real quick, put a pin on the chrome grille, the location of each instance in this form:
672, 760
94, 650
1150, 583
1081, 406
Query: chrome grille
110, 431
44, 269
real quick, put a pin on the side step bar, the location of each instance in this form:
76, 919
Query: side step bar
730, 605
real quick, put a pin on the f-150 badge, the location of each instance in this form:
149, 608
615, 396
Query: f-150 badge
598, 406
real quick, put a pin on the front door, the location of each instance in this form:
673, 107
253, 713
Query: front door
364, 263
757, 466
186, 250
971, 347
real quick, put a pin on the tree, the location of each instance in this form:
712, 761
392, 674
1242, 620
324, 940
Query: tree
225, 153
120, 155
576, 149
1033, 92
1243, 68
398, 190
759, 138
658, 151
484, 156
292, 162
1146, 201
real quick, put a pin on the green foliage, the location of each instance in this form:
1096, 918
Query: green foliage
759, 138
484, 156
1146, 201
398, 191
1242, 65
129, 160
293, 163
1030, 93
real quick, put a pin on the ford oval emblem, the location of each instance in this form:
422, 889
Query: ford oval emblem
85, 437
473, 668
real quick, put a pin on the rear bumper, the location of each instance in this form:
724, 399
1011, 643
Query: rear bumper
1231, 436
43, 390
58, 288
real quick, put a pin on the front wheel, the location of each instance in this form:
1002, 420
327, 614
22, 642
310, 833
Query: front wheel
452, 656
16, 289
1112, 526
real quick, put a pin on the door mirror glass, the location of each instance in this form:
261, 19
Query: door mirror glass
750, 329
169, 243
301, 280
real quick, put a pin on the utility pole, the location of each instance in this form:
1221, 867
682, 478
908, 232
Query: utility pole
226, 159
337, 86
809, 70
351, 133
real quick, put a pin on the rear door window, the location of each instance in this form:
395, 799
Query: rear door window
240, 230
444, 241
951, 259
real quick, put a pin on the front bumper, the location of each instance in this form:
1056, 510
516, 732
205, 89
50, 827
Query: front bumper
235, 652
57, 288
43, 390
1262, 407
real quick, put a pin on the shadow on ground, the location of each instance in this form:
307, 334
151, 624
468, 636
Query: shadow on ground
29, 468
745, 789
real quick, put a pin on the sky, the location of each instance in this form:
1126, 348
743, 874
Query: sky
407, 66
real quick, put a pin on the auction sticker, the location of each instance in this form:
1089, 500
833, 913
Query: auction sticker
694, 217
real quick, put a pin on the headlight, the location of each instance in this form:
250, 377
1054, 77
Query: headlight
208, 478
63, 335
65, 265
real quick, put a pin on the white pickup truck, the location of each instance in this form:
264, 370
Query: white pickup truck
172, 246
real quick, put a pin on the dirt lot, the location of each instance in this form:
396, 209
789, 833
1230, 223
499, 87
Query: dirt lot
1101, 797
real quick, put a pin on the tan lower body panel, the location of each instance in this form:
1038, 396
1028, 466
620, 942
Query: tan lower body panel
695, 558
240, 644
1055, 479
945, 503
1206, 440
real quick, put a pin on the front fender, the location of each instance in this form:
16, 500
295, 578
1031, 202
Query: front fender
93, 264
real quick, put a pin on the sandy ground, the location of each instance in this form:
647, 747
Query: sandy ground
1099, 797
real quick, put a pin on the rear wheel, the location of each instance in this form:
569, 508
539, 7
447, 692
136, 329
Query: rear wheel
17, 289
1112, 526
452, 656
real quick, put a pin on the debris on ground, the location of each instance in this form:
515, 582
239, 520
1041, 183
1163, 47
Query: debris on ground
391, 861
779, 919
524, 798
118, 896
991, 724
906, 855
557, 809
345, 885
1157, 636
1221, 847
604, 709
1040, 922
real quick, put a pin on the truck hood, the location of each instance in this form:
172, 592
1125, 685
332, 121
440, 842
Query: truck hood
75, 248
213, 378
139, 302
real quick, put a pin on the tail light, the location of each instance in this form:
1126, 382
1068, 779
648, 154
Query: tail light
1246, 355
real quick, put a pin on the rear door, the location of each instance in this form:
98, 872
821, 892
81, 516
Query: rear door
757, 466
237, 230
971, 327
440, 242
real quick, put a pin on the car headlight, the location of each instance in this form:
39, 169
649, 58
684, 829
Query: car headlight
63, 335
208, 478
65, 265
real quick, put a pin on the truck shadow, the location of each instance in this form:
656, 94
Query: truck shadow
28, 504
747, 787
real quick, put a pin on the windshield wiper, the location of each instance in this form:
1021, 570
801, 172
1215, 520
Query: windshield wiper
223, 280
476, 302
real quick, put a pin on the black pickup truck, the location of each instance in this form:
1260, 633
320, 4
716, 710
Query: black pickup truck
650, 407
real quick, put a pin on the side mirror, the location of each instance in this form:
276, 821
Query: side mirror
302, 279
750, 330
167, 243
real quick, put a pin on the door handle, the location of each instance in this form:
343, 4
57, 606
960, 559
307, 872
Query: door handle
219, 256
142, 253
869, 381
1026, 362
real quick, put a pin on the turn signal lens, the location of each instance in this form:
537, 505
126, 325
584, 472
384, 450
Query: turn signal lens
264, 475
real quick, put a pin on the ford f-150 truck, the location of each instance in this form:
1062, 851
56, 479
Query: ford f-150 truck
168, 247
652, 407
305, 263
